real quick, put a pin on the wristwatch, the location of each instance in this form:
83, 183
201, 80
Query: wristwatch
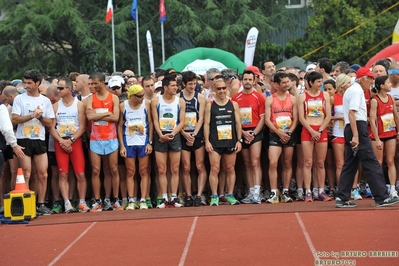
240, 140
41, 117
150, 142
72, 139
320, 131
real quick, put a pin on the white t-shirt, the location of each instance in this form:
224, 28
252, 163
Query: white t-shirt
25, 105
354, 100
395, 93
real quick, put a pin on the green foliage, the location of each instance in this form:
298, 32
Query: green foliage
333, 18
60, 36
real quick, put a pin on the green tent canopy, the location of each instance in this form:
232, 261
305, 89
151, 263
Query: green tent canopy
200, 59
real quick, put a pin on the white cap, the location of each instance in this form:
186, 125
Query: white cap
310, 67
158, 85
116, 81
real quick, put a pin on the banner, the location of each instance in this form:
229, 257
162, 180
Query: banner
162, 11
134, 9
395, 36
110, 12
150, 51
250, 46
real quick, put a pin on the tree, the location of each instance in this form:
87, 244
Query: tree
333, 18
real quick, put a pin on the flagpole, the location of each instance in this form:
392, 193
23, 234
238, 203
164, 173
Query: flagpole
113, 44
163, 44
138, 42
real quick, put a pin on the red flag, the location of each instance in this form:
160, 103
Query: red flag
110, 12
162, 11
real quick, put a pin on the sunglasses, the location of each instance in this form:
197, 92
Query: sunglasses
115, 88
139, 95
221, 88
60, 88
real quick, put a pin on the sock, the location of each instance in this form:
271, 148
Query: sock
274, 191
67, 202
131, 200
300, 190
142, 200
214, 195
308, 191
251, 190
82, 201
173, 196
256, 190
124, 200
315, 190
392, 189
165, 196
285, 190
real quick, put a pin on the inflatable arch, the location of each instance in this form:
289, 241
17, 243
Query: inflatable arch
201, 59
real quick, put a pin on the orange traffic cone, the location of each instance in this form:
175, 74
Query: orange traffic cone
20, 185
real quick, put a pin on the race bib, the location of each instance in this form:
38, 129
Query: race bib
246, 115
190, 122
32, 129
283, 123
136, 127
167, 124
224, 132
388, 122
315, 108
67, 128
100, 111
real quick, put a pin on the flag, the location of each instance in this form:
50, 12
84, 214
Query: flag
134, 8
250, 46
162, 11
110, 12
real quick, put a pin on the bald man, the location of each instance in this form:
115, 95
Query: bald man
82, 86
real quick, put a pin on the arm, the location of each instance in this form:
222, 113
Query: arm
302, 117
352, 120
396, 117
7, 130
114, 116
373, 121
91, 114
208, 145
294, 114
327, 116
149, 147
200, 122
155, 118
238, 145
82, 121
122, 148
182, 116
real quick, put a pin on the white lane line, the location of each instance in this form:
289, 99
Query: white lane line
70, 245
307, 237
188, 242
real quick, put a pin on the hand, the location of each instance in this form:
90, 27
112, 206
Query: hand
248, 137
238, 147
208, 147
315, 135
355, 141
18, 151
66, 145
284, 137
378, 144
148, 149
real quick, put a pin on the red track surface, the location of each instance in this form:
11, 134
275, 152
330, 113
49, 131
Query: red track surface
235, 239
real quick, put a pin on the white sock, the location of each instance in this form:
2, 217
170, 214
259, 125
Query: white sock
308, 191
131, 200
142, 200
274, 191
285, 190
321, 190
82, 201
300, 190
173, 197
251, 190
256, 190
124, 199
392, 189
165, 196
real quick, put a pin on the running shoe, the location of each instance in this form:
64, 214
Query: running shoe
175, 203
232, 200
57, 208
387, 202
180, 199
197, 201
159, 200
83, 207
68, 207
299, 196
96, 207
189, 202
344, 204
285, 197
130, 206
1, 209
117, 206
107, 205
43, 210
393, 194
323, 197
331, 193
273, 198
355, 194
256, 199
309, 197
149, 203
203, 200
215, 200
315, 194
223, 200
143, 205
125, 204
292, 187
248, 199
164, 204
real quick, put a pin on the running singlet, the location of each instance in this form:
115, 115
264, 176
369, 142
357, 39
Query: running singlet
314, 105
168, 114
103, 130
135, 125
252, 106
192, 113
385, 118
282, 113
222, 125
67, 119
339, 125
